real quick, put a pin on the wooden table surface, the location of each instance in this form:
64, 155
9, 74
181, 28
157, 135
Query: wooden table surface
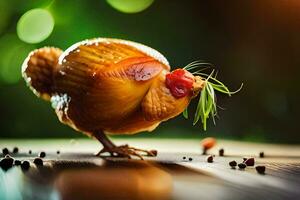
76, 172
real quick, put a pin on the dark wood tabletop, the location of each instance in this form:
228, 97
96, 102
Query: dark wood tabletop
179, 171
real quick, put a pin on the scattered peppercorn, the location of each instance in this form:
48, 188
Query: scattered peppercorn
38, 162
250, 162
261, 154
15, 150
30, 152
25, 165
210, 159
5, 151
6, 163
17, 162
221, 152
260, 169
183, 157
233, 164
244, 159
42, 154
242, 165
153, 153
57, 152
190, 159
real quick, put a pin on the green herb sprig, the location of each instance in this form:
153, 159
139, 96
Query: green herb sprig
207, 103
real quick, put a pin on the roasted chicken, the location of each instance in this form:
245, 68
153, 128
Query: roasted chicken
109, 86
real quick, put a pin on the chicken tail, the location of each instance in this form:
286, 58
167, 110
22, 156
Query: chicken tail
38, 70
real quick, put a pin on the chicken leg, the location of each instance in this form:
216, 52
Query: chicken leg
120, 151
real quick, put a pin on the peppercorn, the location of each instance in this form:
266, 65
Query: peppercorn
242, 165
250, 162
190, 159
17, 162
15, 150
233, 164
210, 159
244, 159
152, 153
30, 152
42, 154
57, 152
183, 157
5, 151
6, 163
221, 152
260, 169
25, 165
261, 154
38, 162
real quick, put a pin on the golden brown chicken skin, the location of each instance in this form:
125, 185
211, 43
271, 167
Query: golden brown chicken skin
110, 86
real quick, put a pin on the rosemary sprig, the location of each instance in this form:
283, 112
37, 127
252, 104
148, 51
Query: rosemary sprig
185, 113
207, 103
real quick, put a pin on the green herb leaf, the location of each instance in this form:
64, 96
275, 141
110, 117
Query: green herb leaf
185, 113
207, 106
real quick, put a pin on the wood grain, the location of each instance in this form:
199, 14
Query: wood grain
194, 179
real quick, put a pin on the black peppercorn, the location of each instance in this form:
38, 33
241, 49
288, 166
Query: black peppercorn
242, 165
190, 159
260, 169
233, 163
221, 152
15, 150
6, 163
25, 165
38, 162
5, 151
261, 154
42, 154
210, 159
17, 162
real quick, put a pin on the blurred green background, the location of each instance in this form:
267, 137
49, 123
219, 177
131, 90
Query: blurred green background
254, 42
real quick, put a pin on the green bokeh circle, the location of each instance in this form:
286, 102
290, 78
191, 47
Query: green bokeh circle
35, 25
130, 6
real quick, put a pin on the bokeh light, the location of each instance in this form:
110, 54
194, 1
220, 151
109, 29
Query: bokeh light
130, 6
35, 25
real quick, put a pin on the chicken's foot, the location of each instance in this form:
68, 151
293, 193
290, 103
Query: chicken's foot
120, 151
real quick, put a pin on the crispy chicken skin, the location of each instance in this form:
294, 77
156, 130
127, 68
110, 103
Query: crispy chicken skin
112, 85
